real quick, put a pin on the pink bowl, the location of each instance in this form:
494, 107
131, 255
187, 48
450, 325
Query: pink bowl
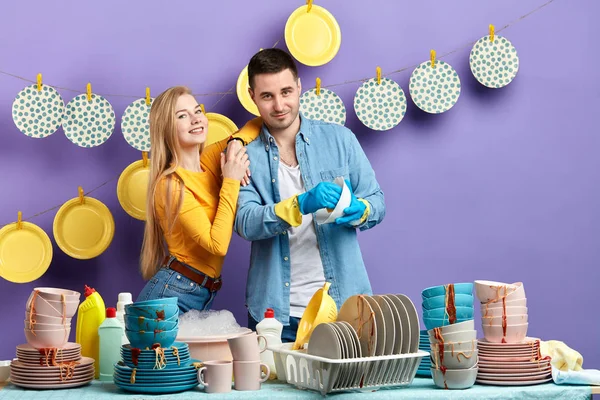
46, 319
510, 320
488, 291
55, 294
46, 327
498, 311
53, 308
48, 339
509, 303
514, 333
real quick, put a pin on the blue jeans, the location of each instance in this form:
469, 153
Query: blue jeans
169, 283
287, 335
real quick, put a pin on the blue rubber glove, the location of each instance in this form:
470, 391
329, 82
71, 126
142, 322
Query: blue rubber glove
324, 195
352, 213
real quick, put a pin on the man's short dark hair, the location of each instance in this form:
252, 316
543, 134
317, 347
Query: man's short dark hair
270, 61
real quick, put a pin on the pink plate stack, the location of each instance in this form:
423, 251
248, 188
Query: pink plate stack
512, 364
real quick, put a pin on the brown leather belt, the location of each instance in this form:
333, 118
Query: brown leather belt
212, 284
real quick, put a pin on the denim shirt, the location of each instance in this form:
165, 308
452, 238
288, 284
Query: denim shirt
324, 152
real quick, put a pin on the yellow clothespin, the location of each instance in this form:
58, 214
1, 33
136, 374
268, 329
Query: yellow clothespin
379, 75
309, 5
145, 158
318, 86
89, 91
81, 199
19, 220
39, 82
202, 108
432, 56
492, 33
147, 96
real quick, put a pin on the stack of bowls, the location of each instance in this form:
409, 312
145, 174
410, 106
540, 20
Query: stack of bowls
48, 317
435, 313
152, 322
454, 355
504, 315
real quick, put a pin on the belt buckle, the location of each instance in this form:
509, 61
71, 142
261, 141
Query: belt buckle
217, 285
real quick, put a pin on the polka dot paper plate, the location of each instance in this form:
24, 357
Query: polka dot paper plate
494, 64
327, 106
434, 89
38, 114
380, 106
135, 124
89, 123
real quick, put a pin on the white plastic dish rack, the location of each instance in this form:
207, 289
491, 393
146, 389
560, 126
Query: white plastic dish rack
328, 375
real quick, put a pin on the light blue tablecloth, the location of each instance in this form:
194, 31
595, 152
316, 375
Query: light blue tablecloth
421, 388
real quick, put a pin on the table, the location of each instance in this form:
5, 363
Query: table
421, 388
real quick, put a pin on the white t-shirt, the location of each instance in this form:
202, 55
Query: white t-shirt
306, 267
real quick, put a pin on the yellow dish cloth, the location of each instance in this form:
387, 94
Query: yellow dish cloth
563, 357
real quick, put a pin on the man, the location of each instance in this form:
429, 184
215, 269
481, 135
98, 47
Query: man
293, 164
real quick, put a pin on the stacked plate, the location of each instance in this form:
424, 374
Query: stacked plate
156, 371
63, 375
512, 364
28, 354
157, 381
385, 325
425, 365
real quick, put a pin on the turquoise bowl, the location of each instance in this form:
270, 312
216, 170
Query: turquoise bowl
460, 300
459, 288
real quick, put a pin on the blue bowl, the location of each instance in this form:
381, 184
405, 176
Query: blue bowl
158, 311
460, 300
431, 323
155, 302
146, 324
461, 312
459, 288
141, 340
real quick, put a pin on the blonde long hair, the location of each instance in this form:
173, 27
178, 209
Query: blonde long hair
164, 161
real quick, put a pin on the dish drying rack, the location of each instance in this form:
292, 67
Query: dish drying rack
328, 375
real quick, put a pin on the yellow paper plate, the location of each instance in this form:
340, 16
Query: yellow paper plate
85, 230
25, 253
132, 189
313, 37
219, 127
242, 92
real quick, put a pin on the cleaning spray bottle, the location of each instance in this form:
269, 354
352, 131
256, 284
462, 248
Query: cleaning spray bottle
90, 316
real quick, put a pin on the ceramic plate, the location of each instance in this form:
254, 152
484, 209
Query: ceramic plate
25, 253
132, 187
494, 64
88, 123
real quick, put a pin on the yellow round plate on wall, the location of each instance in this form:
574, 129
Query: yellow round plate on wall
219, 127
312, 36
242, 92
132, 189
25, 252
83, 227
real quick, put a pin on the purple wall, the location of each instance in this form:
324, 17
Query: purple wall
501, 187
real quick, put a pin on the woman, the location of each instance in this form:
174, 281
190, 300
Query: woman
190, 211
